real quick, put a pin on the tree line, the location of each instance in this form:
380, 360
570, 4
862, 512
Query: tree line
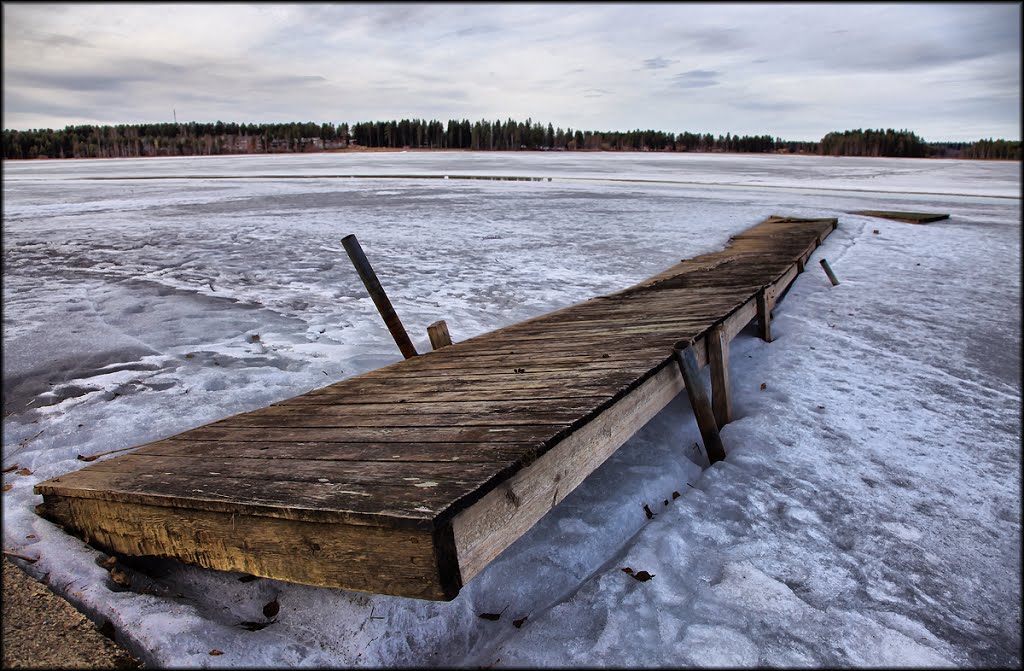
192, 139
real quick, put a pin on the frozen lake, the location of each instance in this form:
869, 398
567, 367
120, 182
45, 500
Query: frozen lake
868, 513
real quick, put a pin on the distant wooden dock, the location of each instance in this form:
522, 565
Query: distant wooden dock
905, 217
410, 479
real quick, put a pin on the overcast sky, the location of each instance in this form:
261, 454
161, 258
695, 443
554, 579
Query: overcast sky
945, 71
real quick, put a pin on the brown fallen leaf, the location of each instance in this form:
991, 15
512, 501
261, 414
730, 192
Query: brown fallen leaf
271, 609
647, 511
642, 576
120, 577
875, 231
8, 488
628, 570
518, 624
216, 652
10, 468
23, 471
675, 495
764, 386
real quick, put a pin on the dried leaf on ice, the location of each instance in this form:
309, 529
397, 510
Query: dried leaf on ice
8, 488
23, 471
628, 570
271, 609
10, 468
120, 577
642, 576
216, 652
520, 622
647, 511
675, 495
764, 386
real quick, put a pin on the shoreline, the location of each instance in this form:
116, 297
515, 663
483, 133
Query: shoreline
409, 150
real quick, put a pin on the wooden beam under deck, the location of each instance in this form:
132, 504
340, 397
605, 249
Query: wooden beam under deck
409, 480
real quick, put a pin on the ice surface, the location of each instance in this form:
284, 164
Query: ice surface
868, 513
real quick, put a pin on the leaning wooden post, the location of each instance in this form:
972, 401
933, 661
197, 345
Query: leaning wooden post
828, 271
438, 334
764, 315
718, 360
699, 401
380, 299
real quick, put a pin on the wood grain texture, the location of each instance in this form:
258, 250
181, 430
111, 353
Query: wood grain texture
418, 474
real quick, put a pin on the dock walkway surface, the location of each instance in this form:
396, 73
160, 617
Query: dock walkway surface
410, 479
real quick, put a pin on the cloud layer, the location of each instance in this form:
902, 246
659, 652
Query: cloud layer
946, 71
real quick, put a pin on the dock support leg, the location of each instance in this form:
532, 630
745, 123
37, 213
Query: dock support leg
380, 299
828, 271
718, 360
764, 315
438, 334
700, 404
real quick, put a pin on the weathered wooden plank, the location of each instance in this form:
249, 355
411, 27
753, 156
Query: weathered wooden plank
700, 403
345, 502
906, 217
718, 362
560, 370
438, 334
508, 510
423, 434
764, 314
389, 451
497, 409
485, 395
335, 416
396, 561
512, 377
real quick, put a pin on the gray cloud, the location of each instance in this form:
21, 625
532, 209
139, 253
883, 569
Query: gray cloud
695, 79
657, 63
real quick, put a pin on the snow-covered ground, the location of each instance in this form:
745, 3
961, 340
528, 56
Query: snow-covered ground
868, 513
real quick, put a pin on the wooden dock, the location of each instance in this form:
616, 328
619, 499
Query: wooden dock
410, 479
905, 217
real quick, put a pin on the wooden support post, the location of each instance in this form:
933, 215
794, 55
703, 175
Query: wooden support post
380, 299
718, 360
764, 315
438, 333
828, 271
700, 403
800, 264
